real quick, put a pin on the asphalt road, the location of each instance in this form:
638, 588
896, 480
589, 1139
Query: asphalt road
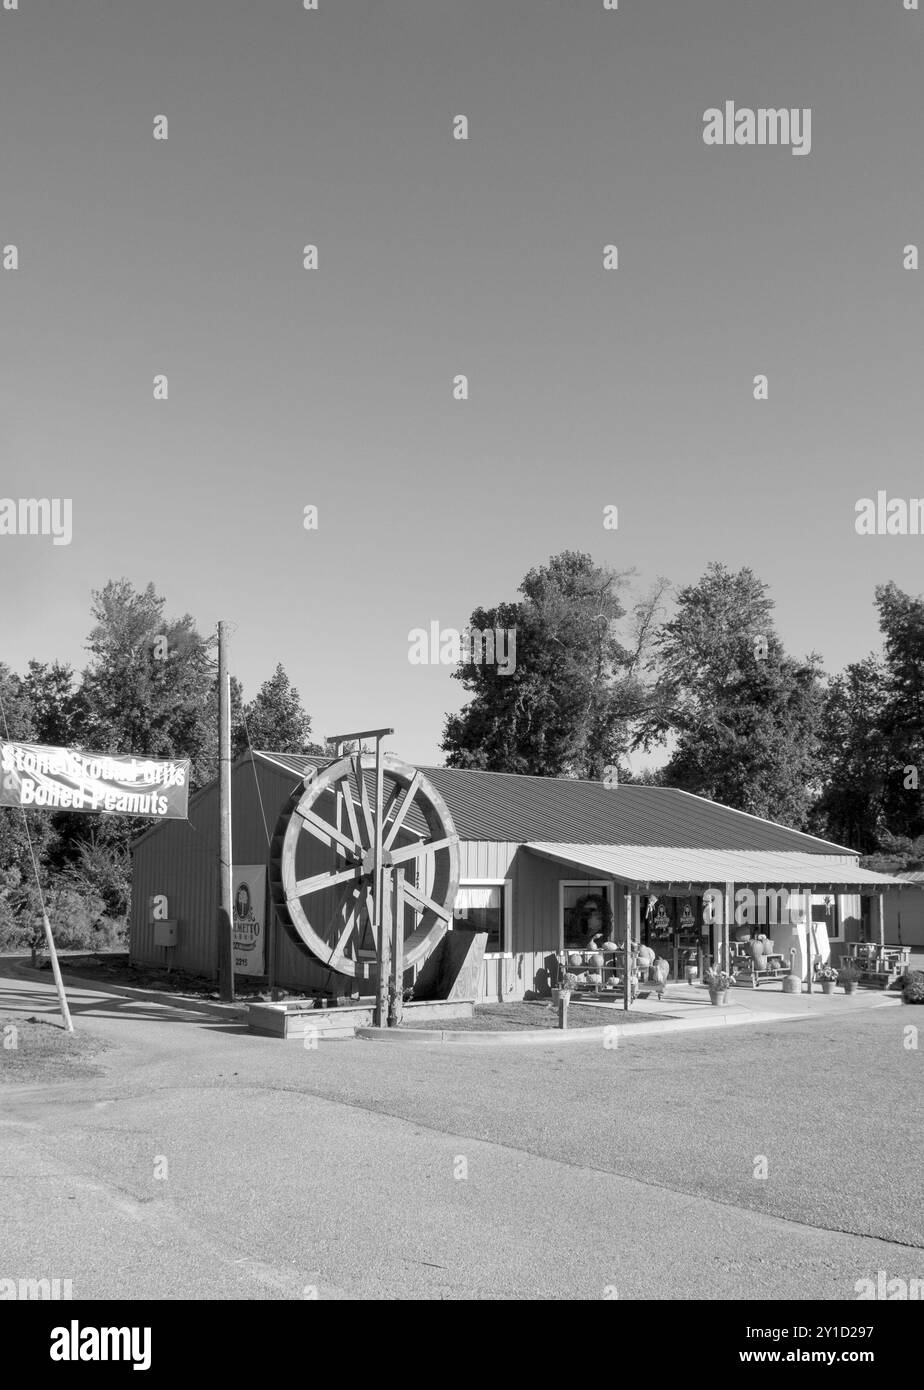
192, 1160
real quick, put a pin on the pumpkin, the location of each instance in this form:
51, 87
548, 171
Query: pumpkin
597, 960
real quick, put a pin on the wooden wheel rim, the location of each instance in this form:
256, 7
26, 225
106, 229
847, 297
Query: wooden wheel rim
351, 846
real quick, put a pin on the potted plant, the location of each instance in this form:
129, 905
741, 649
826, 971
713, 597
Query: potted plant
849, 975
718, 982
827, 976
563, 991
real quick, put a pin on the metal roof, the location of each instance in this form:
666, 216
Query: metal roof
513, 807
664, 865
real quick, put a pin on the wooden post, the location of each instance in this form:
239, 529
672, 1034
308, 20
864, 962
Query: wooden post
225, 896
563, 1002
627, 982
728, 915
396, 1011
809, 939
380, 907
879, 914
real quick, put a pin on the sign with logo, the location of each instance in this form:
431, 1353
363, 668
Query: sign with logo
687, 917
661, 922
248, 889
37, 777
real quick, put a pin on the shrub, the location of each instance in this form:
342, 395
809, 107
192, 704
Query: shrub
913, 987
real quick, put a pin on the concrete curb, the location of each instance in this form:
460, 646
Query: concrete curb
536, 1037
209, 1007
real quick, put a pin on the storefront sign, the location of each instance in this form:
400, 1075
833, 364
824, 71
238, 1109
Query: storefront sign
661, 922
248, 885
62, 779
687, 919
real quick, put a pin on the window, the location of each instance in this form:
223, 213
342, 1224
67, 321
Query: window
585, 910
485, 907
825, 911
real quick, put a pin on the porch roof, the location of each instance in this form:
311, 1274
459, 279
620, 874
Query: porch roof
666, 867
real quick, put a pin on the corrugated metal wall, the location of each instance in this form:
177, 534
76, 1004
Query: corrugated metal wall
536, 909
180, 859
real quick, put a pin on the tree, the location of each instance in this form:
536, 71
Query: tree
901, 619
567, 705
745, 716
850, 808
275, 719
20, 900
55, 704
150, 682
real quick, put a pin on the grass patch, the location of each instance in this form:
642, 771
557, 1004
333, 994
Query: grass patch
520, 1014
34, 1050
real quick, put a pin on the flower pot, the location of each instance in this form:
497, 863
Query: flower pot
827, 986
850, 986
718, 996
561, 994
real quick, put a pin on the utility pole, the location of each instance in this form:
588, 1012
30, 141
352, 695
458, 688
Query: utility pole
225, 902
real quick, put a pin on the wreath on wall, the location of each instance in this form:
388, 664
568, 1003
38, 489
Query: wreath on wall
585, 907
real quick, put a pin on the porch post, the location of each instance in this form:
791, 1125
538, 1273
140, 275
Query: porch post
627, 942
809, 938
728, 915
879, 914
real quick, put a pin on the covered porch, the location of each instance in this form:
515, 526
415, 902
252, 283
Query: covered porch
698, 907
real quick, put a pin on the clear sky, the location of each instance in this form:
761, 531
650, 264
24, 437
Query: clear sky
333, 387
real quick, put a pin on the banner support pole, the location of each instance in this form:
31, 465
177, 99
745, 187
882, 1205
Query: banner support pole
56, 971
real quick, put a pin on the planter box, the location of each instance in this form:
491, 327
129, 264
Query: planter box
296, 1019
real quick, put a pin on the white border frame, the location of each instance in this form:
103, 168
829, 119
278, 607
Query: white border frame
507, 885
564, 883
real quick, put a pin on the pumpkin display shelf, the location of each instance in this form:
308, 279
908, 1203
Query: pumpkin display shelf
599, 972
754, 961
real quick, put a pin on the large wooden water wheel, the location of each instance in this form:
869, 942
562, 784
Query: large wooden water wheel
339, 845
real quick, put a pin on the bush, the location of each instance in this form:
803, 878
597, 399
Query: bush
913, 987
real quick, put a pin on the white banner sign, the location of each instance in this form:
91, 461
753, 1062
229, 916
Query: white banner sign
248, 885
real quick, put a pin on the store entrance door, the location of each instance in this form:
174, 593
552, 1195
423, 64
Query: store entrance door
672, 931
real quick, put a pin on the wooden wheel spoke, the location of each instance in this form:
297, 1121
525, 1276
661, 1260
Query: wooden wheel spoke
327, 880
350, 806
399, 856
365, 904
349, 926
421, 898
329, 834
364, 800
402, 811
